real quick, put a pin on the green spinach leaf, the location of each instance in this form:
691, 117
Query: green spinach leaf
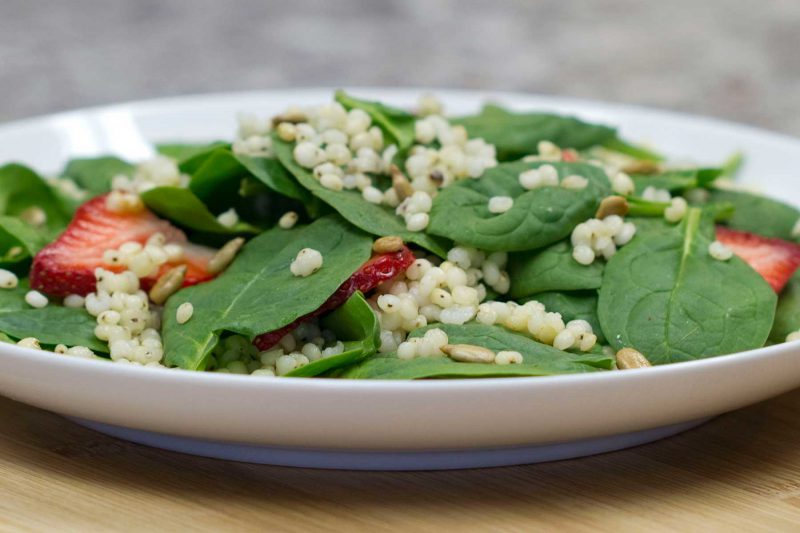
185, 209
18, 241
189, 155
633, 150
576, 305
551, 269
95, 174
22, 188
665, 296
258, 293
517, 134
354, 323
538, 359
787, 314
374, 219
397, 124
272, 173
677, 180
51, 325
758, 214
538, 217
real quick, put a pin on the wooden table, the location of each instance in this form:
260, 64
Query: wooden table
738, 472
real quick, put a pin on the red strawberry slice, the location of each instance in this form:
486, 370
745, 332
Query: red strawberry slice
371, 274
67, 265
775, 259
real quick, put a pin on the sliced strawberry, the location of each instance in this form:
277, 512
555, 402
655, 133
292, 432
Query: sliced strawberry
378, 269
67, 265
775, 259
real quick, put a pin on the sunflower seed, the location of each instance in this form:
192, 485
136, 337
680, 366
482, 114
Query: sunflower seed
225, 256
630, 358
168, 284
468, 353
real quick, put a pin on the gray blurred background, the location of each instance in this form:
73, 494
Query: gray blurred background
731, 59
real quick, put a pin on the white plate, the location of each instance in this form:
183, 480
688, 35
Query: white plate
390, 425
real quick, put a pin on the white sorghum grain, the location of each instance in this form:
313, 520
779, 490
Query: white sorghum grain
80, 351
719, 251
228, 219
308, 154
548, 150
331, 182
622, 184
574, 182
8, 280
288, 220
793, 336
500, 204
30, 342
306, 263
676, 210
508, 357
184, 312
583, 254
417, 221
36, 299
656, 195
372, 195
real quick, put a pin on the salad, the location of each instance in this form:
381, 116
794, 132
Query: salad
357, 240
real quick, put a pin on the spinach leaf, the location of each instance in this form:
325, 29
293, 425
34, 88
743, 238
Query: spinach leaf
374, 219
538, 359
258, 293
397, 124
517, 134
271, 173
787, 314
551, 269
15, 235
216, 181
354, 323
51, 325
577, 305
665, 296
189, 155
636, 151
95, 174
677, 180
758, 214
184, 208
22, 188
538, 217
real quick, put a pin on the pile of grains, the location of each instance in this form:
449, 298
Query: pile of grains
532, 319
125, 318
144, 261
432, 290
452, 292
343, 149
600, 237
306, 344
160, 171
253, 137
547, 176
435, 343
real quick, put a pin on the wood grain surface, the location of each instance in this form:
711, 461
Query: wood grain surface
739, 472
